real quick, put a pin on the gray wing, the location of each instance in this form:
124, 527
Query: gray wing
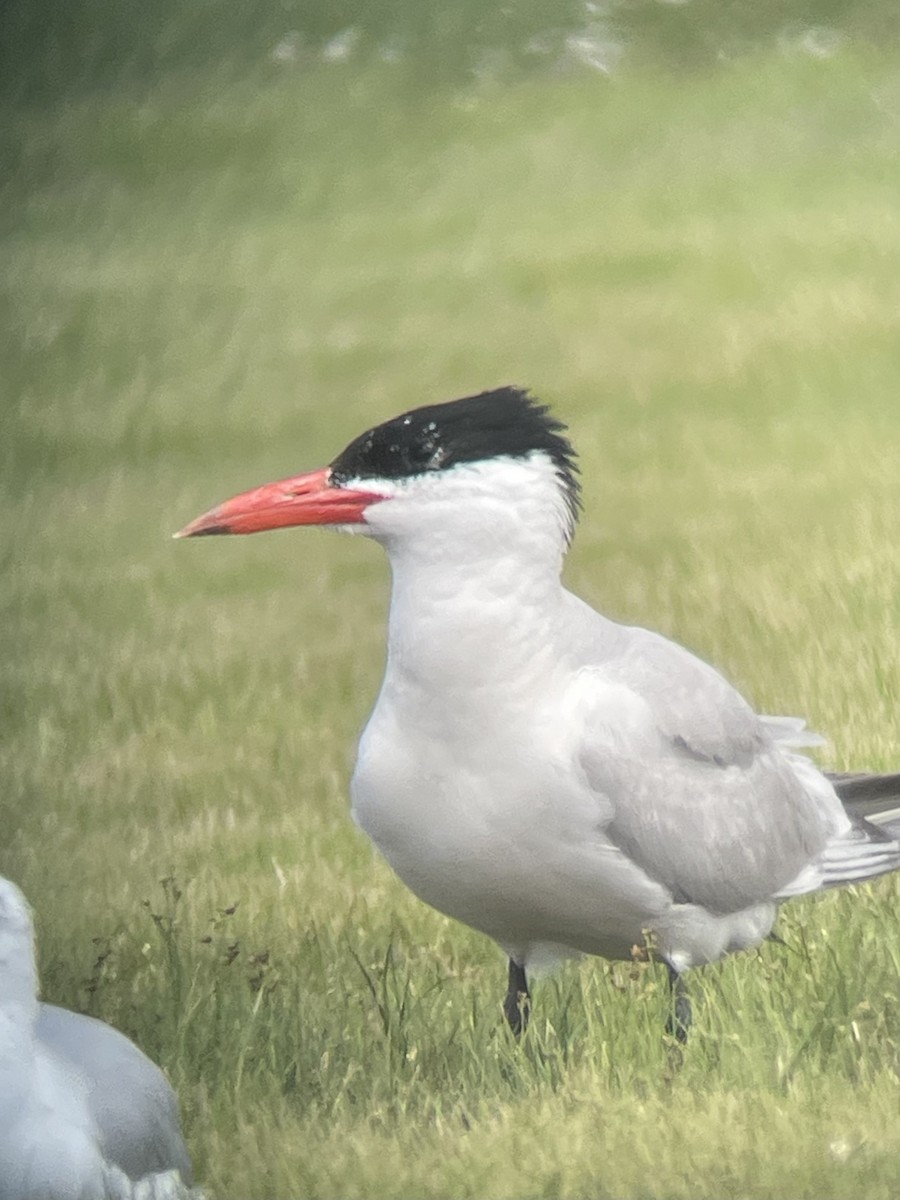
700, 792
132, 1104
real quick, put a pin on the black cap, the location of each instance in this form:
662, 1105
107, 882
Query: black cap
504, 423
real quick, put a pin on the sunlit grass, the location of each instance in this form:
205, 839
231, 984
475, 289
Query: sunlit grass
209, 288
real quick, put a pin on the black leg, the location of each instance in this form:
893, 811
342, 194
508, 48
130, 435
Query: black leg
680, 1017
517, 1004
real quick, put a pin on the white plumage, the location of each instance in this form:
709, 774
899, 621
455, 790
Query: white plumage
84, 1114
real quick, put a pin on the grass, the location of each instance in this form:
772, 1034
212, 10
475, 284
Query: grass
209, 285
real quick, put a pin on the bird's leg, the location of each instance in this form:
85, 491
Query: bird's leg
680, 1016
517, 1004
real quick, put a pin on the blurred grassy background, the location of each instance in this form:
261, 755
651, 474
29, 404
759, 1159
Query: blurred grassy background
233, 235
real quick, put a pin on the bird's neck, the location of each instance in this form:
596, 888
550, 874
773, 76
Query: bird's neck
472, 614
18, 1013
16, 1040
18, 972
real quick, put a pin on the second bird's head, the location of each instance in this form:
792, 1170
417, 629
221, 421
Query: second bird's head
473, 463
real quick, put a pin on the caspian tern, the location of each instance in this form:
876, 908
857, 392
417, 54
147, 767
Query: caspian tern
84, 1114
563, 783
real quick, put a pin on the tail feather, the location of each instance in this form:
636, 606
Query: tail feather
873, 799
871, 847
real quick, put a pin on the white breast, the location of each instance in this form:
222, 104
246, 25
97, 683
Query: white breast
501, 833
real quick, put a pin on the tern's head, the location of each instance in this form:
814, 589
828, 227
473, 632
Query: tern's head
472, 464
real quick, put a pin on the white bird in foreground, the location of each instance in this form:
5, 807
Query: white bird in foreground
565, 784
84, 1114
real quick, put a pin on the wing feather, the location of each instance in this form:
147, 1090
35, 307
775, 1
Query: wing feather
703, 797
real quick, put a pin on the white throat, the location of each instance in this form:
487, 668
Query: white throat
476, 556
